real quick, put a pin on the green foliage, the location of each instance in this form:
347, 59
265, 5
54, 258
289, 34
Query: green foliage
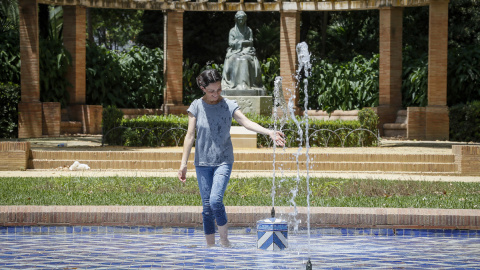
9, 99
54, 63
170, 130
465, 122
344, 86
321, 133
115, 28
142, 76
8, 15
151, 34
132, 79
10, 57
155, 130
463, 75
415, 80
111, 118
369, 120
270, 70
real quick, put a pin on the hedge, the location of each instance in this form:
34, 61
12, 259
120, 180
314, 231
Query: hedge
155, 131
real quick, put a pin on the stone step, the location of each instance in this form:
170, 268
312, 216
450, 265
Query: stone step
240, 156
255, 165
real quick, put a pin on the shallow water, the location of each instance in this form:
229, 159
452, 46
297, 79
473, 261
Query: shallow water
180, 248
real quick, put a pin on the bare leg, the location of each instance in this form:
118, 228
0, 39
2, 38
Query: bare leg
223, 231
210, 239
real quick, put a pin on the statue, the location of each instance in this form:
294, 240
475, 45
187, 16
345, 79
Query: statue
241, 70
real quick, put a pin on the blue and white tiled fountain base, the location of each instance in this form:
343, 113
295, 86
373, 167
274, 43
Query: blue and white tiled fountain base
180, 248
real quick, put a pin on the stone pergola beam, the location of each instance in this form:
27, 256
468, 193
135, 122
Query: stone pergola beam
202, 5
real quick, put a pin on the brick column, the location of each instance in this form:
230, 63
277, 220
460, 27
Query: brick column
74, 38
289, 38
30, 108
390, 77
173, 63
437, 121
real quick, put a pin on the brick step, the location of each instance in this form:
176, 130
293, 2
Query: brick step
267, 157
254, 165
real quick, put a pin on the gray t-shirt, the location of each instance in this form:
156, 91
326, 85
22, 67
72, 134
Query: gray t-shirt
213, 145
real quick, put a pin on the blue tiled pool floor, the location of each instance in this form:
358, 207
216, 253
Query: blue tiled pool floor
157, 248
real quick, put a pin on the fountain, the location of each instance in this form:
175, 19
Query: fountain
272, 232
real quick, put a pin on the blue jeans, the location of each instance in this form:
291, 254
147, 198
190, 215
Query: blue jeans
212, 182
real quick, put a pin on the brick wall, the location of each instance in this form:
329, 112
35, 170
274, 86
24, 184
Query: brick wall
173, 60
289, 38
51, 118
390, 70
14, 155
74, 38
467, 159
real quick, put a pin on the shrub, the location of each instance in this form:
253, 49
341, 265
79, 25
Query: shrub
10, 57
344, 86
170, 131
415, 81
112, 118
465, 122
54, 63
9, 99
463, 75
132, 79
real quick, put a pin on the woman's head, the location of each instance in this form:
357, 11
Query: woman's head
210, 83
207, 77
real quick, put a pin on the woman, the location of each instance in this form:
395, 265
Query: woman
211, 116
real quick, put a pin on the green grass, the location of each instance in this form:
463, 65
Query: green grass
241, 192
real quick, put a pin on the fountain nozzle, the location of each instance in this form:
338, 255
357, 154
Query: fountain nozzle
273, 212
309, 265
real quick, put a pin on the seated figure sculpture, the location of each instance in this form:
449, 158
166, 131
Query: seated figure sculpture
241, 70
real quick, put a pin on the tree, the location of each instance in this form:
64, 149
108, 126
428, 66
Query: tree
115, 28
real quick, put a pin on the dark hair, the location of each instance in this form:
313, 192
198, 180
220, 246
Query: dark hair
207, 77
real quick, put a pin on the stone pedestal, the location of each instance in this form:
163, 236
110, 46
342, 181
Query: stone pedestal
243, 138
29, 120
250, 104
51, 117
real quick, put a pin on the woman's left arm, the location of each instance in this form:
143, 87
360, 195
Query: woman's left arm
276, 136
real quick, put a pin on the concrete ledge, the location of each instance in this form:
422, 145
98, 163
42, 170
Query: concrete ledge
242, 137
190, 216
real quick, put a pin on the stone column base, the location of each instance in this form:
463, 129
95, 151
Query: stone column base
416, 123
30, 120
437, 123
51, 118
89, 115
255, 105
14, 156
467, 159
428, 123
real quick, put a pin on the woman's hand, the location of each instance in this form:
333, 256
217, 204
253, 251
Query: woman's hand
277, 137
182, 173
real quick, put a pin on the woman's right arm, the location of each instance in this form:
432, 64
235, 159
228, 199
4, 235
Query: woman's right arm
187, 147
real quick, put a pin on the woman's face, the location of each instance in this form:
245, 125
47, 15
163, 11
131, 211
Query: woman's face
241, 20
212, 92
